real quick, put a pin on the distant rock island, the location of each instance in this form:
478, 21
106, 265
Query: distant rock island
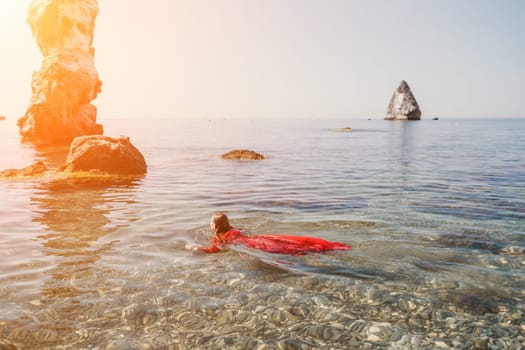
60, 108
403, 105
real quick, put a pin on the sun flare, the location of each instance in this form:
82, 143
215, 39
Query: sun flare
7, 7
12, 12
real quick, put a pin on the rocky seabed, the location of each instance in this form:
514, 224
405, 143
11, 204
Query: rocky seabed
221, 308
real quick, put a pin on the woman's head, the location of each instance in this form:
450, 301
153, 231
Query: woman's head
219, 223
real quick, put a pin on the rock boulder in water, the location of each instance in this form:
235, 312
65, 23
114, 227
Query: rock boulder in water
403, 105
105, 154
36, 169
243, 154
345, 129
60, 108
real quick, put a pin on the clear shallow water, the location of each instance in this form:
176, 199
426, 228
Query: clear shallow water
435, 211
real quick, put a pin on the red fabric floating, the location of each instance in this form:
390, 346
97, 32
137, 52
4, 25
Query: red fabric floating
273, 243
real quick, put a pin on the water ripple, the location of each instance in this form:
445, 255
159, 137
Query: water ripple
434, 212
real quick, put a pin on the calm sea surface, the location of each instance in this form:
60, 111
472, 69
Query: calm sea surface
434, 210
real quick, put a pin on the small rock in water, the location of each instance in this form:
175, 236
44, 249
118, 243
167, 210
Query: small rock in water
416, 323
35, 169
441, 344
480, 343
242, 154
373, 294
321, 300
373, 338
513, 250
416, 340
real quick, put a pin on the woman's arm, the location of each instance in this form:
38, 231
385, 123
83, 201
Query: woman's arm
209, 250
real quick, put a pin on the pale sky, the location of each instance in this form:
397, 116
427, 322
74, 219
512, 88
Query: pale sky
289, 58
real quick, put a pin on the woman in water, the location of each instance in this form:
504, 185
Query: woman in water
224, 234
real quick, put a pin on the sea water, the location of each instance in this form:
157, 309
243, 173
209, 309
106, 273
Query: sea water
434, 210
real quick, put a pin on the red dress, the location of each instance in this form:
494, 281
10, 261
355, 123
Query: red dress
280, 244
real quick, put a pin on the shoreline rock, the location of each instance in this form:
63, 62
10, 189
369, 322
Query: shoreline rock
242, 154
63, 88
403, 104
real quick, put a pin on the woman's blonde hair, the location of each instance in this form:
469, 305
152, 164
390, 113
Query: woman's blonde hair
220, 223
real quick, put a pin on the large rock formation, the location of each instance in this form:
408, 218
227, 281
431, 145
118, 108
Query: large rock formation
67, 82
104, 154
403, 105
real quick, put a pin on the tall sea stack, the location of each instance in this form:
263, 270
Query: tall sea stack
403, 105
60, 107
